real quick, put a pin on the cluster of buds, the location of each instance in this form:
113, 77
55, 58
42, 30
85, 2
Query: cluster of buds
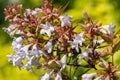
42, 38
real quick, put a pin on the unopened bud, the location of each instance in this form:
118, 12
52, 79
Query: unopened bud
13, 10
70, 54
85, 14
88, 25
19, 40
19, 6
101, 65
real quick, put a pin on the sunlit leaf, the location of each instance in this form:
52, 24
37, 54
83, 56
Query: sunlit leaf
116, 47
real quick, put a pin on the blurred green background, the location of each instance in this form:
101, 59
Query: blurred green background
103, 11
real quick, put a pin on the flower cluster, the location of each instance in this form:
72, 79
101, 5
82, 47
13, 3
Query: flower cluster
42, 38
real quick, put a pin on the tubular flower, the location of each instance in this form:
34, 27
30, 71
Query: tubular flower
58, 77
108, 29
16, 60
17, 43
48, 47
88, 76
47, 75
63, 62
84, 54
65, 20
77, 41
46, 28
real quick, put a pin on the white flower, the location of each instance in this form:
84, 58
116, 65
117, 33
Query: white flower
15, 59
10, 58
12, 29
17, 43
107, 29
63, 62
28, 66
36, 11
46, 28
74, 45
27, 12
65, 20
98, 78
8, 30
58, 77
24, 52
84, 54
47, 75
107, 78
35, 62
48, 46
18, 32
101, 64
19, 40
88, 76
25, 49
98, 41
75, 78
35, 51
32, 12
77, 41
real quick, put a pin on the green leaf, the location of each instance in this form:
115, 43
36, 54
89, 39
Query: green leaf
116, 47
104, 62
105, 37
100, 71
76, 54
